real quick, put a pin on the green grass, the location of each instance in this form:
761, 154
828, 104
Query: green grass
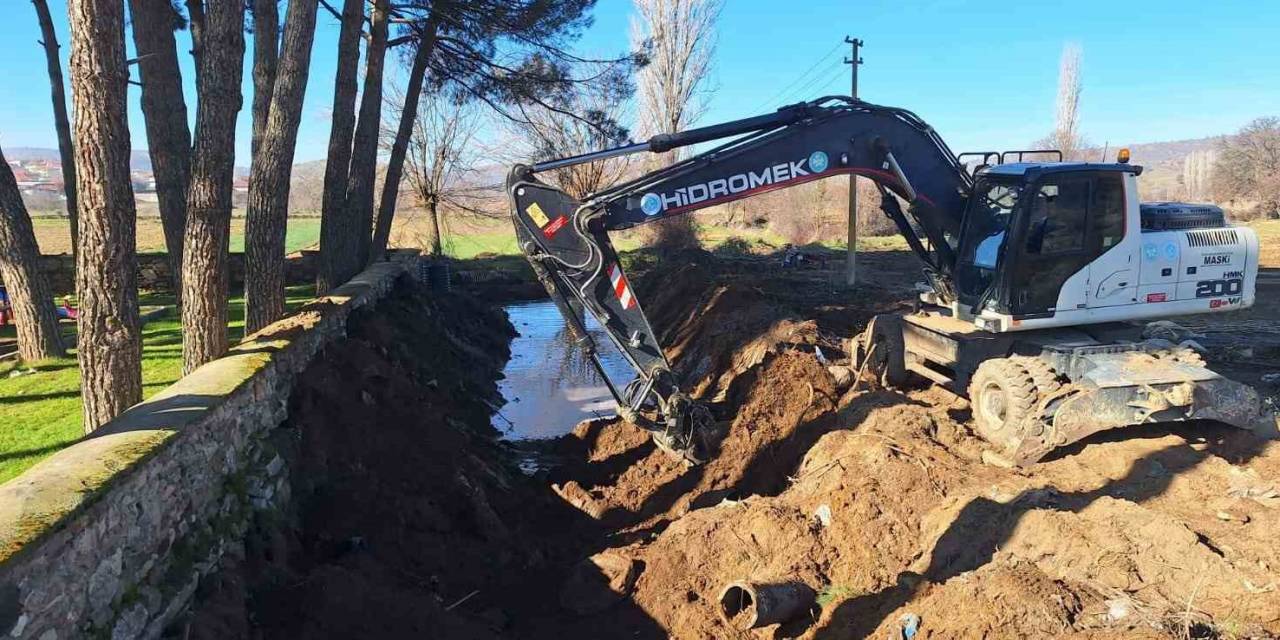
54, 237
40, 412
501, 241
301, 233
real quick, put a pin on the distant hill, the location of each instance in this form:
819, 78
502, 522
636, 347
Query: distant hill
1152, 154
1162, 163
1161, 179
139, 159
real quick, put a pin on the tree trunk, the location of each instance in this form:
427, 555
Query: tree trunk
272, 165
434, 245
337, 227
110, 346
29, 295
364, 149
400, 146
220, 59
196, 22
266, 53
164, 109
60, 121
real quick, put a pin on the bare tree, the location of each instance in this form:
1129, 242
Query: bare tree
110, 337
29, 295
164, 109
269, 175
1066, 135
1197, 169
681, 37
408, 110
49, 40
219, 52
590, 118
1248, 165
338, 229
436, 155
364, 146
266, 55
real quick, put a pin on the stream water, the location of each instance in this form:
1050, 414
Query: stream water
550, 384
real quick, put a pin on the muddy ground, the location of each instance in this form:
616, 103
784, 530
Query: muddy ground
412, 521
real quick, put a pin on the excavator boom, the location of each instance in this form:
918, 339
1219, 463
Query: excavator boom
567, 240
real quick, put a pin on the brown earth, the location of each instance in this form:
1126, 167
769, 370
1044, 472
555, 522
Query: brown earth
414, 523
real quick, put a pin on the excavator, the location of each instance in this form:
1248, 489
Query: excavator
1038, 275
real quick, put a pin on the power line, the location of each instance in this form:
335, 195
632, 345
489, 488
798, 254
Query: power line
805, 92
773, 99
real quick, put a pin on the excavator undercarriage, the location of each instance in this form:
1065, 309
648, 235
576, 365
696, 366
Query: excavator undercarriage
1034, 392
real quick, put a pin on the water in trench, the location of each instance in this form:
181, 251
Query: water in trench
550, 383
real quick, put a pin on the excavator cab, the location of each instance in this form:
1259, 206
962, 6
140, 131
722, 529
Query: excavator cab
1035, 272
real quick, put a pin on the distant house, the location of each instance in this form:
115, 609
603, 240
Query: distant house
24, 177
241, 184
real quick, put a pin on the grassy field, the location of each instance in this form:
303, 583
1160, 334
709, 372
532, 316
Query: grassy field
1269, 242
53, 235
40, 411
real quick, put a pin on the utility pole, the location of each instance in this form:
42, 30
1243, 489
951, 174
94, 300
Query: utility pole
851, 255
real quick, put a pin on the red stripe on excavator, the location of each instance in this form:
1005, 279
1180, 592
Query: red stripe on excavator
891, 181
620, 287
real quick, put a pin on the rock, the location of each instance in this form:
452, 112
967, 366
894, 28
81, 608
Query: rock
1271, 378
574, 494
104, 583
1168, 330
996, 460
1193, 345
842, 375
599, 582
130, 624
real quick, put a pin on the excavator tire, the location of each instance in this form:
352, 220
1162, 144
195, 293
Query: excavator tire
1003, 394
1046, 379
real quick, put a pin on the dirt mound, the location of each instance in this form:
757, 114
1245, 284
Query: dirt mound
879, 501
885, 518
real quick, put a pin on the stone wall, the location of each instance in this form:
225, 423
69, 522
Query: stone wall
110, 536
153, 271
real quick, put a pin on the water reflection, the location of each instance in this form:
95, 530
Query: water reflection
550, 383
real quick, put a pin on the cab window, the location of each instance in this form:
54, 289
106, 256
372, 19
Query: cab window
1107, 211
1059, 216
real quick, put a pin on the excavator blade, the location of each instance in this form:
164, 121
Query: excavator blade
1083, 409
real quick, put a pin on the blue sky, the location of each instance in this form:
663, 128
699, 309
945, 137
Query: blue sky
982, 73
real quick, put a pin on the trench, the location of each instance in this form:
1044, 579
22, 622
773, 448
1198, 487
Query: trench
549, 384
416, 515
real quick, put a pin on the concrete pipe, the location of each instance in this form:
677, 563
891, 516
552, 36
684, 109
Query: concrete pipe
748, 605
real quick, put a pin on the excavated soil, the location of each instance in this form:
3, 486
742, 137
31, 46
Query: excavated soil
414, 522
880, 502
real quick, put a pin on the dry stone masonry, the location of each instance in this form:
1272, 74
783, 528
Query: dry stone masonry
110, 537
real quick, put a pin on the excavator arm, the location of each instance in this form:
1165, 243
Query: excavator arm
567, 240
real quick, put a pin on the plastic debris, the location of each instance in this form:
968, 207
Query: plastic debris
908, 625
823, 515
1118, 609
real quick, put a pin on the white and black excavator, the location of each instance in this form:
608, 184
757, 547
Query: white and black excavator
1036, 273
